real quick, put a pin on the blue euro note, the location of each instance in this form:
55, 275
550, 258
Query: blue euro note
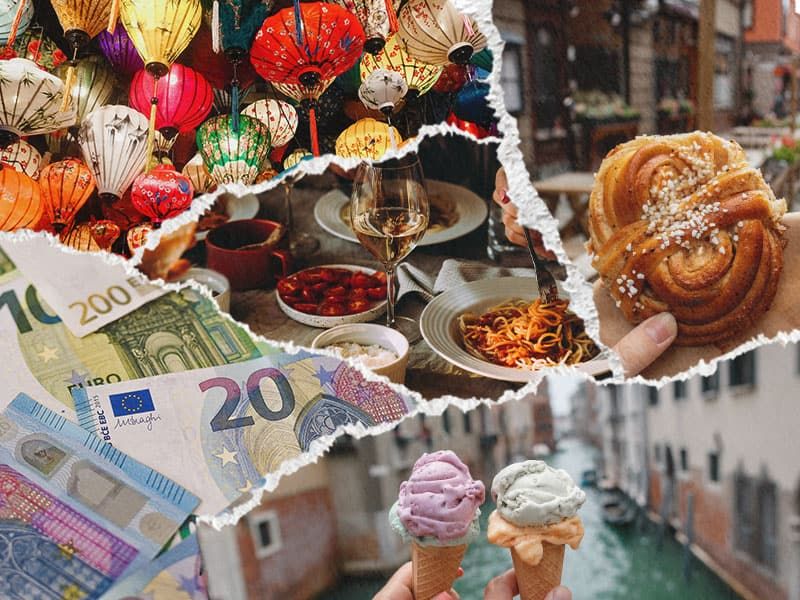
76, 515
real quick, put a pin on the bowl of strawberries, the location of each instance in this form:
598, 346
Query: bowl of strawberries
331, 295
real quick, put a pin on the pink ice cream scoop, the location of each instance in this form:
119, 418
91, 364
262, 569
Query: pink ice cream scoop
440, 499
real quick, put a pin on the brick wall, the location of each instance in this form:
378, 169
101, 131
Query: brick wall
304, 566
713, 529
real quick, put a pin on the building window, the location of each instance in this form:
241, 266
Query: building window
467, 422
756, 518
679, 388
709, 386
266, 533
713, 466
743, 370
652, 395
446, 422
724, 73
511, 78
684, 459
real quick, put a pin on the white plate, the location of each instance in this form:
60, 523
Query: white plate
328, 322
472, 212
439, 325
238, 208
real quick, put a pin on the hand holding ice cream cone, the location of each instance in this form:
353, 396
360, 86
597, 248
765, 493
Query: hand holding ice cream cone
437, 512
536, 517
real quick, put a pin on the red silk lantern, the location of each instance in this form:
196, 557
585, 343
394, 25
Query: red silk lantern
453, 78
184, 98
20, 200
66, 186
216, 68
473, 129
307, 43
161, 193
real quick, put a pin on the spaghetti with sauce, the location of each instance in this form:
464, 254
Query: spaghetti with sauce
527, 335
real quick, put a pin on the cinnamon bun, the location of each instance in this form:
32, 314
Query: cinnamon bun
683, 224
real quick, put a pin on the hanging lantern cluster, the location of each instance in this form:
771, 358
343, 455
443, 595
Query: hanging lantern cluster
155, 101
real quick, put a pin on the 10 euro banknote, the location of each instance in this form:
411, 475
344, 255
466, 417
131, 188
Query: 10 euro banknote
76, 514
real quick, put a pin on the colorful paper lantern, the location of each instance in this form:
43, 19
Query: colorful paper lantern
20, 200
382, 90
113, 140
483, 59
198, 175
37, 47
473, 129
280, 118
160, 29
8, 14
119, 50
308, 97
66, 186
378, 19
122, 212
137, 236
223, 98
234, 24
306, 44
161, 193
295, 158
93, 85
184, 97
215, 67
435, 32
30, 101
23, 157
233, 155
367, 139
420, 77
452, 79
472, 103
81, 20
91, 237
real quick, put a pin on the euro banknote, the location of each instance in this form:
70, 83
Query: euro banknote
42, 357
76, 514
81, 288
218, 431
175, 575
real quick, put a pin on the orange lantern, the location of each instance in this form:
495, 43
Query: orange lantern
66, 186
20, 200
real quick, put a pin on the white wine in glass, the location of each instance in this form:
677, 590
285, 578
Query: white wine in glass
389, 213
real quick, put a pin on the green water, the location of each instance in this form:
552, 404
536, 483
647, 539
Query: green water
611, 564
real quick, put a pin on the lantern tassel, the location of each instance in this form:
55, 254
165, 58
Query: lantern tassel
68, 81
312, 126
216, 28
298, 22
235, 107
151, 130
12, 36
393, 24
113, 16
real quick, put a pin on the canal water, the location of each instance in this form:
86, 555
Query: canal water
611, 563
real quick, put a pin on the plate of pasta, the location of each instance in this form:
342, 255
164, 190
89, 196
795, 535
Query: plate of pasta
499, 328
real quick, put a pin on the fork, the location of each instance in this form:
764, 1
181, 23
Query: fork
548, 290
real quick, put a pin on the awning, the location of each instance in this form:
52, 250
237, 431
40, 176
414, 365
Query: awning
685, 8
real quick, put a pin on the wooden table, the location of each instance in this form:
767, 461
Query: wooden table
428, 374
573, 187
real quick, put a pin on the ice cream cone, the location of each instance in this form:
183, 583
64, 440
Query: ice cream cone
536, 581
435, 568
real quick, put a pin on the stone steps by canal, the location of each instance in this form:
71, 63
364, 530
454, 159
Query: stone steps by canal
611, 564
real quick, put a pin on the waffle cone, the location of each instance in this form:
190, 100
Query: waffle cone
536, 581
435, 568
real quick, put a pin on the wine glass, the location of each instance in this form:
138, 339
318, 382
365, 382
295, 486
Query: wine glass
389, 214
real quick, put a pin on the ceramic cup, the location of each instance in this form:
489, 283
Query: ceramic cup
256, 267
368, 334
214, 281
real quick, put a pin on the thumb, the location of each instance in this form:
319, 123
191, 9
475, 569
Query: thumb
646, 343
